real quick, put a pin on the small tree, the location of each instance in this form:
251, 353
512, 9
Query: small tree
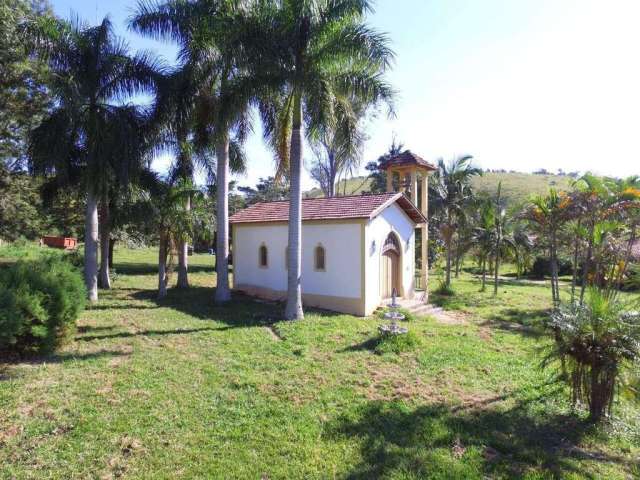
595, 341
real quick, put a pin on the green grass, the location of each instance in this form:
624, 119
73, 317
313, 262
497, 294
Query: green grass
184, 389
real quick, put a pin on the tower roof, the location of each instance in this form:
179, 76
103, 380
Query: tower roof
407, 159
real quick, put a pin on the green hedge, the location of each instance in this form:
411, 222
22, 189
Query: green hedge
40, 301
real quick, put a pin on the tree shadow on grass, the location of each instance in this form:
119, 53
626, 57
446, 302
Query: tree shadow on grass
432, 441
15, 360
130, 306
143, 333
242, 311
152, 269
368, 345
198, 302
529, 323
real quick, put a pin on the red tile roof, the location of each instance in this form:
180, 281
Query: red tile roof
408, 158
332, 208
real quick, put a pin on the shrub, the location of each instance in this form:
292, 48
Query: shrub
444, 290
389, 343
39, 304
595, 343
542, 267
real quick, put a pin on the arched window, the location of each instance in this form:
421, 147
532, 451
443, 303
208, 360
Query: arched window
391, 244
320, 259
263, 256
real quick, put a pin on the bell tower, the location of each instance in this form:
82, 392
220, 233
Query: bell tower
409, 173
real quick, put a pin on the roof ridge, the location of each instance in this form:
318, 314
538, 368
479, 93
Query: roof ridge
358, 195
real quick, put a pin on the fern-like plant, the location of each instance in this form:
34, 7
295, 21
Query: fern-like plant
595, 342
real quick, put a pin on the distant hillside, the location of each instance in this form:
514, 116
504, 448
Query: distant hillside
516, 187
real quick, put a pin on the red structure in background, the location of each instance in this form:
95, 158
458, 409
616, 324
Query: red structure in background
59, 242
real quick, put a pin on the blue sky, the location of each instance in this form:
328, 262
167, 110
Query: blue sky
519, 84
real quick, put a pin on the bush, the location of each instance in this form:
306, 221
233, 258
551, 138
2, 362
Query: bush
542, 267
444, 290
389, 343
39, 304
596, 343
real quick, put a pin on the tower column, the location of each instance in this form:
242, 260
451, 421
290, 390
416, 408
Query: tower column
389, 181
424, 208
414, 186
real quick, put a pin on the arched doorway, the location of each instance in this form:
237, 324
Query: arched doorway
390, 267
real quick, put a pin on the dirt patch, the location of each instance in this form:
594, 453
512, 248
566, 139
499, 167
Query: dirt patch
273, 333
485, 334
117, 465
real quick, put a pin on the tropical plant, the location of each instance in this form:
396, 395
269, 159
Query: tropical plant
213, 49
338, 149
90, 136
609, 214
319, 57
164, 210
596, 341
451, 193
548, 214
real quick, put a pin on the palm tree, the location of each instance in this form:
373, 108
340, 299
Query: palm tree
212, 39
338, 149
452, 191
92, 73
549, 214
483, 236
319, 56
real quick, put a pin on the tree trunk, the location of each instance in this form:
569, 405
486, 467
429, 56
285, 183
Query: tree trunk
496, 272
112, 244
104, 280
183, 254
554, 271
162, 265
574, 277
293, 310
448, 272
484, 274
223, 294
331, 184
587, 264
459, 257
91, 247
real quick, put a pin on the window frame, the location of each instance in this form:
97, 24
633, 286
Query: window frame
266, 256
315, 258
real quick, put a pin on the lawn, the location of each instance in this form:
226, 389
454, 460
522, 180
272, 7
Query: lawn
184, 389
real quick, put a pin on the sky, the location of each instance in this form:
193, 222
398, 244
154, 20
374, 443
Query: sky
519, 84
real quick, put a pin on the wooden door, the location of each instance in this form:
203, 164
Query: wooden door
389, 274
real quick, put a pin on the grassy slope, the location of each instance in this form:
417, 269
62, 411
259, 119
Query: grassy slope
516, 187
183, 389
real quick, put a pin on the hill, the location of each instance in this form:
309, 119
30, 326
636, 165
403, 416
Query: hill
517, 187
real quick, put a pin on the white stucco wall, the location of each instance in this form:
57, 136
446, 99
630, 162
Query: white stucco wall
342, 243
391, 219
